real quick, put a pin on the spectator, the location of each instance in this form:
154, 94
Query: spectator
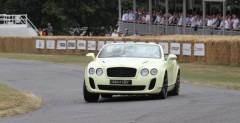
235, 22
209, 21
158, 19
171, 19
125, 16
125, 33
216, 22
188, 20
180, 22
40, 32
50, 30
147, 18
115, 33
212, 21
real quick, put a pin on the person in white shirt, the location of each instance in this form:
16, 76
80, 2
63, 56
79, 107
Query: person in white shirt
209, 21
114, 33
170, 19
199, 21
125, 16
235, 22
158, 18
227, 24
163, 20
180, 21
193, 21
131, 16
147, 18
188, 20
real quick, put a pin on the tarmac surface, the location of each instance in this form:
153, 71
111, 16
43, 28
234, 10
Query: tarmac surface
60, 87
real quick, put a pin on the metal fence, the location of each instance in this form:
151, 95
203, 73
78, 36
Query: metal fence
151, 29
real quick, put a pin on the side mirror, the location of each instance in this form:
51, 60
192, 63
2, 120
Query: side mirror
172, 57
91, 55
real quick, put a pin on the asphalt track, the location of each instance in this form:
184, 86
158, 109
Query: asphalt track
60, 87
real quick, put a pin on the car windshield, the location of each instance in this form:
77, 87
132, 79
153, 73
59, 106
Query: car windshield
130, 50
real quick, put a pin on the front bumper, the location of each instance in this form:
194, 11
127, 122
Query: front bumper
140, 85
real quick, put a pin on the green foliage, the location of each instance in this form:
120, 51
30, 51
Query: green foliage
64, 15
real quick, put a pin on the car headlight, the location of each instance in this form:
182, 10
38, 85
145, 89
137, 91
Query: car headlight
154, 71
91, 70
144, 72
99, 71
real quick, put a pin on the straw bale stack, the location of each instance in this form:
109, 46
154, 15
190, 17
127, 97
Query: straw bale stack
218, 49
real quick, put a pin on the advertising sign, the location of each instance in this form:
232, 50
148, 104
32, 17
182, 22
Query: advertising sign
71, 44
175, 48
40, 44
164, 46
61, 45
81, 44
50, 44
91, 45
199, 49
187, 49
100, 44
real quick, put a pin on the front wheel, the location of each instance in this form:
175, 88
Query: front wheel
164, 92
176, 89
89, 97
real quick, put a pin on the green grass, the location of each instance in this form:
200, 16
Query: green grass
13, 102
225, 76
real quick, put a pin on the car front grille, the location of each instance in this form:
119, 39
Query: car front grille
121, 88
121, 72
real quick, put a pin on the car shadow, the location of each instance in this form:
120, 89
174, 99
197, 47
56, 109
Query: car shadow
129, 98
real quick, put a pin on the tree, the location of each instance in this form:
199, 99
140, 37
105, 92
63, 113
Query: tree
97, 15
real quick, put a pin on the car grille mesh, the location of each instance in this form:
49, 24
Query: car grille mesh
121, 72
121, 88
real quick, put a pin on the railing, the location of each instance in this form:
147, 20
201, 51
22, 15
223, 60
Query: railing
14, 20
153, 29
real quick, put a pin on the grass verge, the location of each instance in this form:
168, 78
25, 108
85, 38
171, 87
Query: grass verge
224, 76
14, 102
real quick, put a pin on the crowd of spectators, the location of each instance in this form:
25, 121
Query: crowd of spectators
230, 22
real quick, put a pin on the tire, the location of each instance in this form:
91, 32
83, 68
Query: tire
106, 95
176, 89
89, 97
164, 92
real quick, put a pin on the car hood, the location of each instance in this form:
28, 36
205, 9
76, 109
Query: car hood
126, 62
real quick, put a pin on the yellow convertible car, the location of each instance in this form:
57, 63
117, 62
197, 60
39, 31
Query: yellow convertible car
131, 69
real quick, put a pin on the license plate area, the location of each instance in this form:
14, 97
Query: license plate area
120, 82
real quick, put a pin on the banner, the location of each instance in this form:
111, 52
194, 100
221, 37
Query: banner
100, 44
50, 44
71, 44
164, 46
40, 44
187, 49
81, 44
175, 48
199, 49
61, 45
91, 45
